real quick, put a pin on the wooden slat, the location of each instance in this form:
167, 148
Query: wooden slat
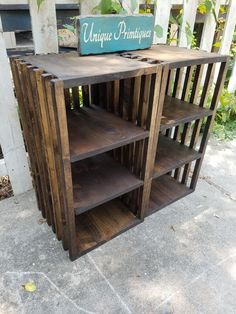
77, 71
60, 113
176, 111
206, 133
93, 131
171, 155
102, 224
99, 179
165, 191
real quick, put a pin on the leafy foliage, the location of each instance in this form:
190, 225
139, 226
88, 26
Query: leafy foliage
109, 7
225, 122
158, 31
39, 3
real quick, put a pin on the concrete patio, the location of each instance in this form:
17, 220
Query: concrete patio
180, 260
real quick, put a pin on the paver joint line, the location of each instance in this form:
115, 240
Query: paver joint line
109, 284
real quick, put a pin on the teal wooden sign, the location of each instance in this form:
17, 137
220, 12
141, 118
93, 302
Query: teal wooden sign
98, 34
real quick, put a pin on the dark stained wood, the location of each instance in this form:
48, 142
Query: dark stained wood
74, 70
177, 57
62, 129
103, 223
171, 155
93, 131
165, 191
99, 179
177, 111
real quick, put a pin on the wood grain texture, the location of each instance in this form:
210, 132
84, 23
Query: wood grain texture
102, 224
93, 131
99, 179
74, 70
177, 57
165, 191
177, 111
171, 155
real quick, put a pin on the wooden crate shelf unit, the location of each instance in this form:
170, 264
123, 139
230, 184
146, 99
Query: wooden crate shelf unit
114, 138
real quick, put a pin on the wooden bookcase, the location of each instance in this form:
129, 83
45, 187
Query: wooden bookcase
186, 119
113, 138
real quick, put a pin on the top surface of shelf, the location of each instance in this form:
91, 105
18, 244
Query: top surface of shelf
76, 70
177, 56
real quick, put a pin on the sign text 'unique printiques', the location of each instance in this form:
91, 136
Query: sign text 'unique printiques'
99, 34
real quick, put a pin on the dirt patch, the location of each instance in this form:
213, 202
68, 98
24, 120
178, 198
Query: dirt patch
5, 188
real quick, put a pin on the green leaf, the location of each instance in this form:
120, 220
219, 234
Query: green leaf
158, 31
189, 34
106, 6
173, 20
208, 4
39, 2
70, 28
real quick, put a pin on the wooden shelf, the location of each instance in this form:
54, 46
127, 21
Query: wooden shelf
176, 111
103, 223
166, 190
93, 131
98, 180
172, 155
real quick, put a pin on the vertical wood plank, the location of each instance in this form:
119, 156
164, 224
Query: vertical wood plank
189, 17
162, 16
10, 130
44, 26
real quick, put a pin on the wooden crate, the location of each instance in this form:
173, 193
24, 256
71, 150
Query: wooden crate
113, 138
89, 125
186, 120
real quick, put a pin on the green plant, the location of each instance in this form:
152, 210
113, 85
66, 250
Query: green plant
225, 122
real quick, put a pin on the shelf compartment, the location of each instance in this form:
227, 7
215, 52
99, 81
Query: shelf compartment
176, 111
99, 179
103, 223
165, 191
172, 155
93, 130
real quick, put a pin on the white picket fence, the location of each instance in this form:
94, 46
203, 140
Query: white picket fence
44, 30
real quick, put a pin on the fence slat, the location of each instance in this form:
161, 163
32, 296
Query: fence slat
228, 32
162, 16
3, 169
10, 131
189, 17
232, 81
209, 29
44, 26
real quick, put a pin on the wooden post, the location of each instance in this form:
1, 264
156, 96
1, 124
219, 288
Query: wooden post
10, 131
162, 16
209, 29
44, 26
189, 17
228, 33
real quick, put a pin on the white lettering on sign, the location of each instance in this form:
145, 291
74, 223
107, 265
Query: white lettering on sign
121, 33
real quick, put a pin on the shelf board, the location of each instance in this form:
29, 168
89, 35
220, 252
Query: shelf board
166, 190
99, 179
176, 111
93, 131
172, 155
103, 223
